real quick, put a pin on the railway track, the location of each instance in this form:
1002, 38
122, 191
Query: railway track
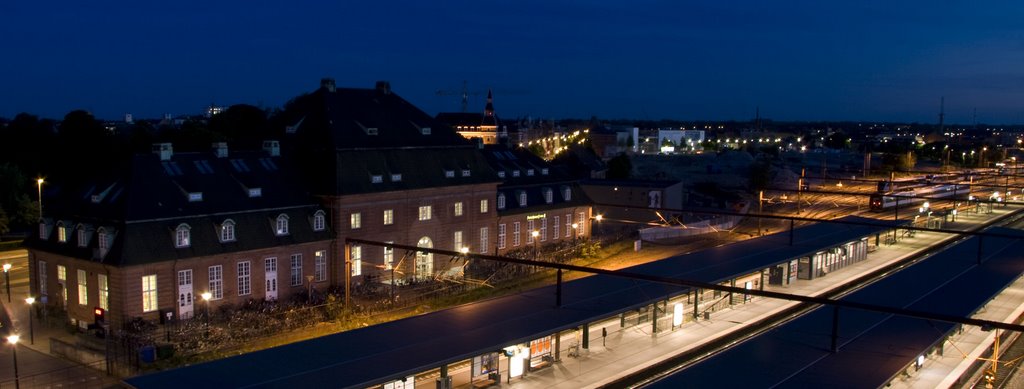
709, 349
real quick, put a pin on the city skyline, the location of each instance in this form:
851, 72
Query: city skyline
869, 61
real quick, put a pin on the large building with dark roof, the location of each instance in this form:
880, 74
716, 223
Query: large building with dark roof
484, 126
146, 241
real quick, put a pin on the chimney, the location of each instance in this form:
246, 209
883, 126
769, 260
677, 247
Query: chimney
164, 150
384, 87
272, 147
220, 149
328, 83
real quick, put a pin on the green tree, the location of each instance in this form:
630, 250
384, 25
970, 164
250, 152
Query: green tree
620, 167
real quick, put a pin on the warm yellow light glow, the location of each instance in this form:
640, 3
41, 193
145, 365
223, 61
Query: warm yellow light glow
30, 300
13, 339
207, 296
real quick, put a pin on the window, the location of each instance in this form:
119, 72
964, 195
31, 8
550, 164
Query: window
244, 278
449, 174
83, 236
501, 201
457, 241
483, 240
501, 236
389, 217
389, 256
458, 208
42, 231
566, 193
425, 212
568, 224
548, 196
529, 231
501, 174
149, 303
62, 279
318, 221
396, 177
515, 173
522, 198
357, 261
282, 225
103, 240
515, 234
356, 220
543, 229
320, 263
544, 171
465, 172
227, 231
42, 278
182, 236
554, 225
83, 288
62, 233
529, 172
483, 206
216, 282
104, 288
580, 218
376, 179
296, 265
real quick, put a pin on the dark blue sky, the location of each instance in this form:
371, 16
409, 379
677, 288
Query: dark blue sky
797, 60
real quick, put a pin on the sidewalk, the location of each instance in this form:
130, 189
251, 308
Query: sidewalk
17, 309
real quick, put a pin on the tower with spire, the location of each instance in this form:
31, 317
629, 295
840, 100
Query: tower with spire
485, 126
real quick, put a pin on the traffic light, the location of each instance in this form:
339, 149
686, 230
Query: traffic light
100, 316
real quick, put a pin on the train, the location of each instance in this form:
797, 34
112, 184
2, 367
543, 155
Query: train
918, 195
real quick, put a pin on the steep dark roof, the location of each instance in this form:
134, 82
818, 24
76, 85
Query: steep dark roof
419, 168
142, 205
454, 119
526, 173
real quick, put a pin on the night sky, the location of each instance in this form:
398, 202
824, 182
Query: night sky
796, 60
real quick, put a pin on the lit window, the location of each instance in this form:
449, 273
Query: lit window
389, 256
216, 277
356, 220
357, 261
389, 217
318, 221
104, 294
83, 288
62, 233
62, 279
458, 208
483, 206
320, 261
227, 231
296, 267
425, 212
281, 227
501, 201
182, 236
149, 303
244, 273
457, 241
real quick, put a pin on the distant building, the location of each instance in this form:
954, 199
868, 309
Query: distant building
147, 241
484, 126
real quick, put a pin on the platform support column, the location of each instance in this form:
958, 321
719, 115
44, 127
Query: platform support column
586, 336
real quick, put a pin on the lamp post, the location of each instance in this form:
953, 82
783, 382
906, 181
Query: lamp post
31, 332
598, 218
206, 298
39, 192
536, 241
7, 280
13, 341
575, 234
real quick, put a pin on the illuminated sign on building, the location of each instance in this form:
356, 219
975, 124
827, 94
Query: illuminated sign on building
535, 217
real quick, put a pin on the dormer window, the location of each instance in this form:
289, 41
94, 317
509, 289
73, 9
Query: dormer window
376, 179
522, 198
62, 232
396, 177
449, 174
501, 201
548, 195
103, 240
515, 173
529, 172
318, 221
194, 197
544, 171
465, 172
566, 193
83, 237
227, 231
425, 130
44, 230
182, 236
255, 192
281, 226
501, 174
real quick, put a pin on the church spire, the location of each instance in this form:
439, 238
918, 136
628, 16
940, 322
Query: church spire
489, 119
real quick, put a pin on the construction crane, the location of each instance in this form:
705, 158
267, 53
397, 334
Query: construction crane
465, 93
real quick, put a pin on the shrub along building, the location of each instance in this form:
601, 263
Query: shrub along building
147, 241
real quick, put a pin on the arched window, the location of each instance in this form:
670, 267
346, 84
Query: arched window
501, 201
548, 196
566, 193
424, 260
103, 240
281, 227
227, 231
522, 198
62, 232
183, 236
318, 221
83, 235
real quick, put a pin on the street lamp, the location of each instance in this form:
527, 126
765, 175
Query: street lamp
31, 332
206, 297
536, 242
7, 280
39, 191
13, 341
